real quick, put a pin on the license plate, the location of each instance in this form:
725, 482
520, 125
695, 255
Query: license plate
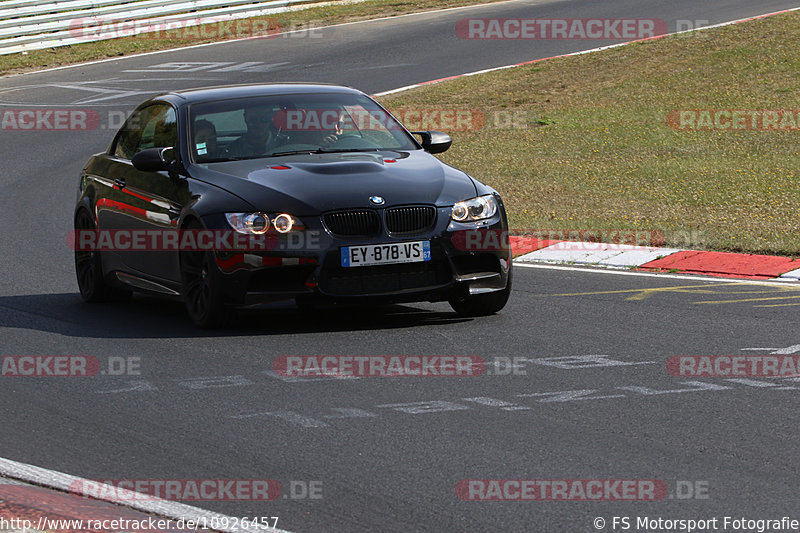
386, 254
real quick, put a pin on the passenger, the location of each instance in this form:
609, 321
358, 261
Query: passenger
205, 140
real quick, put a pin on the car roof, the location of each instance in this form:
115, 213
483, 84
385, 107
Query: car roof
222, 92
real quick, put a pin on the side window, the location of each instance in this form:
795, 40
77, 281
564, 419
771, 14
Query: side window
212, 133
154, 126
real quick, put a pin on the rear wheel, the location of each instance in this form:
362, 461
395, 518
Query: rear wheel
89, 269
482, 304
201, 287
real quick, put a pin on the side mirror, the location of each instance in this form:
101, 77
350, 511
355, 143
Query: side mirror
152, 160
434, 142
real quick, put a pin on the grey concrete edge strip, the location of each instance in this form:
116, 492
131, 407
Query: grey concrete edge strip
148, 504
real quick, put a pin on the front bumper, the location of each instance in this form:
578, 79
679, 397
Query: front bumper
307, 265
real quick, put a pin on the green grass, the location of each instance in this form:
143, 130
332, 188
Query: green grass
312, 17
595, 151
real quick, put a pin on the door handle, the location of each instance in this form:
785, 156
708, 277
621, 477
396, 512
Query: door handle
120, 183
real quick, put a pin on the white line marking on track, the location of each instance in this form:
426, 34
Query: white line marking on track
775, 281
788, 350
148, 504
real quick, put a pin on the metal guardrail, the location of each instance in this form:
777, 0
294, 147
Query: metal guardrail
24, 8
33, 25
123, 12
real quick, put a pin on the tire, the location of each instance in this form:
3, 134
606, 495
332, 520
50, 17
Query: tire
89, 270
201, 287
482, 304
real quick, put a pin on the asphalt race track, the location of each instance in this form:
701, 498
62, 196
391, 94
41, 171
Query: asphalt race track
576, 384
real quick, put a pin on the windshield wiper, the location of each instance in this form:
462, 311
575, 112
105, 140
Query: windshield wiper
341, 150
218, 160
323, 151
293, 152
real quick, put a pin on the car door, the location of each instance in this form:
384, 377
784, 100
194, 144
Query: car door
146, 201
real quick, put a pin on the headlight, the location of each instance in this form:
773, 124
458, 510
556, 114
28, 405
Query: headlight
475, 209
259, 223
249, 223
283, 223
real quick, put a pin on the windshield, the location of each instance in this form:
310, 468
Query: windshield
272, 126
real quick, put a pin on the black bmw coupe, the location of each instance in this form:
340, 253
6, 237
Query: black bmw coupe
237, 196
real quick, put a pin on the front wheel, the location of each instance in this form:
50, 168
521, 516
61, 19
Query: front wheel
89, 269
201, 287
482, 304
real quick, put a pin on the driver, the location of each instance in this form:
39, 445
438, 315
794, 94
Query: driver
312, 127
261, 133
343, 127
332, 137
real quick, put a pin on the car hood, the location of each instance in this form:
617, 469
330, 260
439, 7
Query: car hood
308, 184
